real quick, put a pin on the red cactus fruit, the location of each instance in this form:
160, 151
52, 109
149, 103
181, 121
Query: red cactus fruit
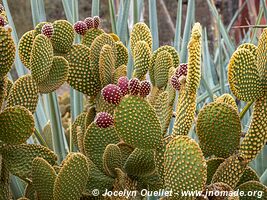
181, 70
80, 27
145, 88
89, 22
175, 82
96, 21
112, 94
134, 86
123, 85
2, 21
104, 120
48, 30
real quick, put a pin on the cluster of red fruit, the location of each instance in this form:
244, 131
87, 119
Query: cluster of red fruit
82, 26
114, 93
179, 75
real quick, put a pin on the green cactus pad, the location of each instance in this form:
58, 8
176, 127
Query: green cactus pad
248, 175
103, 106
30, 192
48, 135
169, 49
261, 58
90, 35
25, 48
95, 141
79, 122
97, 180
41, 58
163, 63
106, 65
151, 183
185, 167
24, 93
81, 74
19, 158
253, 187
243, 75
142, 59
4, 181
119, 72
7, 50
194, 59
228, 99
43, 178
140, 32
8, 88
126, 150
251, 47
16, 125
112, 158
122, 54
3, 85
135, 129
140, 163
218, 136
72, 178
63, 36
230, 171
256, 136
90, 116
218, 191
212, 166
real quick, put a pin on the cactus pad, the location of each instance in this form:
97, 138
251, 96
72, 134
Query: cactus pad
228, 99
212, 166
72, 177
261, 58
135, 129
3, 92
185, 167
24, 93
16, 125
119, 72
248, 175
218, 136
122, 54
78, 122
90, 35
253, 187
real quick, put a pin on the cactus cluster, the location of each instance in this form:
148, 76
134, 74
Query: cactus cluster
122, 138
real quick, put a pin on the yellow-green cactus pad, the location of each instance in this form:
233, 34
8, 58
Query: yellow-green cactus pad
8, 88
38, 28
90, 116
78, 122
25, 48
164, 111
24, 93
122, 54
63, 36
140, 163
228, 99
81, 74
253, 187
218, 129
194, 59
16, 125
30, 192
57, 75
251, 47
3, 85
140, 32
112, 158
151, 183
142, 59
185, 112
169, 49
261, 58
7, 50
220, 191
72, 178
244, 77
103, 106
137, 123
248, 175
90, 35
106, 65
95, 141
212, 166
41, 58
4, 181
23, 198
97, 180
115, 37
119, 72
126, 150
230, 171
256, 136
19, 158
163, 63
48, 135
185, 167
43, 178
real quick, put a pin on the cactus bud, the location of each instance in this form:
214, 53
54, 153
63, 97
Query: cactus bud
145, 88
96, 21
181, 70
104, 120
175, 82
48, 30
123, 85
112, 94
2, 21
134, 86
89, 22
80, 27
